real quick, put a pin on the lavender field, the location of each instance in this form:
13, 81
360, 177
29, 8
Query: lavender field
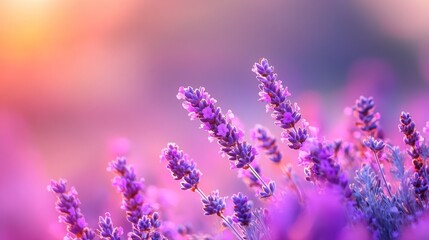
191, 120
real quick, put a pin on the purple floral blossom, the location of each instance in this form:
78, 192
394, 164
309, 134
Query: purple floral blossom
146, 228
320, 166
242, 209
412, 138
107, 231
373, 144
181, 167
285, 113
130, 187
200, 105
267, 142
367, 119
213, 204
68, 205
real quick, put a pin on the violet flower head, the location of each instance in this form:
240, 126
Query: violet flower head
213, 204
178, 162
191, 180
364, 112
68, 205
373, 144
181, 167
131, 189
267, 142
242, 209
320, 166
285, 114
200, 105
412, 136
107, 231
146, 228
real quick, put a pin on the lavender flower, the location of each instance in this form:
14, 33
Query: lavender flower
374, 145
200, 105
411, 138
213, 204
320, 166
131, 189
267, 142
146, 228
107, 231
242, 209
275, 95
181, 167
367, 119
68, 206
191, 176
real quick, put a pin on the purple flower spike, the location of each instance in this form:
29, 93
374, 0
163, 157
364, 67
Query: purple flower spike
268, 191
191, 180
131, 189
285, 113
214, 204
243, 154
267, 142
374, 145
412, 137
146, 228
295, 138
107, 231
242, 209
68, 207
181, 167
200, 105
367, 119
178, 162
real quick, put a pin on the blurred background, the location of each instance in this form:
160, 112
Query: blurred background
83, 81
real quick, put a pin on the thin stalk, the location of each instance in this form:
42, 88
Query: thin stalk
382, 174
294, 186
259, 177
236, 233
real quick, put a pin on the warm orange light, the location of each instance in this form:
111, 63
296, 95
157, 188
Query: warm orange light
25, 27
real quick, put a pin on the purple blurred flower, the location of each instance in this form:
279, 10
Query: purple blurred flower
250, 180
373, 144
68, 207
181, 167
107, 231
213, 204
266, 142
285, 113
131, 189
367, 119
320, 166
426, 128
242, 209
